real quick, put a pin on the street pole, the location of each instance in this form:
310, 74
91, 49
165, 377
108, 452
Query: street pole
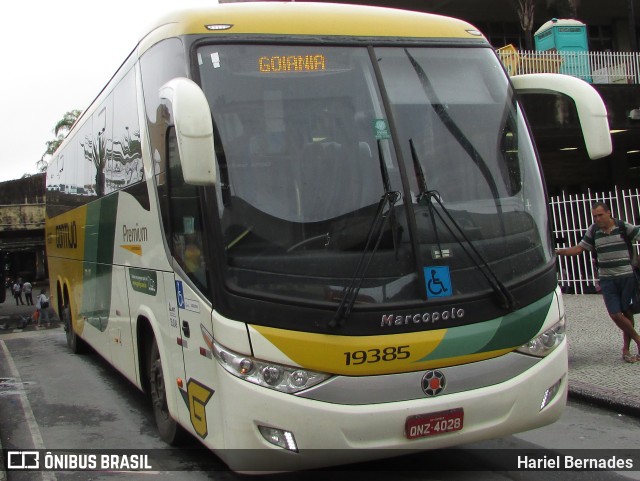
633, 37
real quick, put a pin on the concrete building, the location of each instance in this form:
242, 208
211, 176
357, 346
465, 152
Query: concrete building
22, 227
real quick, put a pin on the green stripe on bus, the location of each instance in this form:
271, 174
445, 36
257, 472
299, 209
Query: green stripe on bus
97, 268
101, 229
512, 330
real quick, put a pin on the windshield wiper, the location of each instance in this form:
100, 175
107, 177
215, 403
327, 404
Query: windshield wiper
442, 113
378, 224
423, 197
426, 197
374, 236
387, 189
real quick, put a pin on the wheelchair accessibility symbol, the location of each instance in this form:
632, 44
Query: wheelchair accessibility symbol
438, 281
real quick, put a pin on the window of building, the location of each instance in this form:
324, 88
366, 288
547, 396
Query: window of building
600, 38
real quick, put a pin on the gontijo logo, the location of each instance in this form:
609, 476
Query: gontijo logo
433, 383
67, 235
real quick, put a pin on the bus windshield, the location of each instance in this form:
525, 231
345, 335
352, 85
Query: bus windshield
316, 144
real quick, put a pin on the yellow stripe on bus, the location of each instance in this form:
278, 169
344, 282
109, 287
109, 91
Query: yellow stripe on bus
65, 234
366, 355
133, 248
65, 237
314, 19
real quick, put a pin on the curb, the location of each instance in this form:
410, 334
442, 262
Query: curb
606, 398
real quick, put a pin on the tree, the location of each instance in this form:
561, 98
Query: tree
526, 10
61, 129
65, 123
564, 8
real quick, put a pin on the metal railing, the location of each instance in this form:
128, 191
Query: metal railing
593, 67
572, 217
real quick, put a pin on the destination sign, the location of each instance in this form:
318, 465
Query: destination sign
292, 63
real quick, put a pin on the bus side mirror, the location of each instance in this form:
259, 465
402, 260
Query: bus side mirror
194, 130
592, 112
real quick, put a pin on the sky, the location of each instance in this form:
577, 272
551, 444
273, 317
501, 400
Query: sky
56, 57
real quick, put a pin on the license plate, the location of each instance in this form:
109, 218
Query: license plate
431, 424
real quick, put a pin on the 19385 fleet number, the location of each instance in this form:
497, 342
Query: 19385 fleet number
386, 354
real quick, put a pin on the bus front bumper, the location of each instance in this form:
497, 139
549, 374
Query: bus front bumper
325, 434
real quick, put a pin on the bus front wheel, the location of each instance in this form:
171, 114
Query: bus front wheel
170, 431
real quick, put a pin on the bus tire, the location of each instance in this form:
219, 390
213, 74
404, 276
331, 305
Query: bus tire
169, 430
76, 344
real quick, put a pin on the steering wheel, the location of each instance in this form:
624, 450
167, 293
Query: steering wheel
311, 240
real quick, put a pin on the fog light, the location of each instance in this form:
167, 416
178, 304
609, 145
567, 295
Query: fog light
279, 437
549, 394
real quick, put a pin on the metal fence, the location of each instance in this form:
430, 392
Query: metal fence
572, 217
593, 67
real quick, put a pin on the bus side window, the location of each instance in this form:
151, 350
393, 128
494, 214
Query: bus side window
187, 240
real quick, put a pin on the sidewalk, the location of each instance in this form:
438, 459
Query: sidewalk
597, 373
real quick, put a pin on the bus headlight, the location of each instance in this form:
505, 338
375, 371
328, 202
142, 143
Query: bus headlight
545, 343
275, 376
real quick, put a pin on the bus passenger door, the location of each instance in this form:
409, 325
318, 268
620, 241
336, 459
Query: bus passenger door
172, 341
198, 389
186, 236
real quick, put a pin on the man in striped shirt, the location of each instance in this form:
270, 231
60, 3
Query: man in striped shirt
617, 280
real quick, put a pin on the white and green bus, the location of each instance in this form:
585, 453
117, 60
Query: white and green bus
316, 234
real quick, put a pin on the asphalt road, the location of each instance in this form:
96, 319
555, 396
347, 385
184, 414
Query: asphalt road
53, 400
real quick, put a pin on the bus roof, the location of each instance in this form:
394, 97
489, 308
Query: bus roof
296, 18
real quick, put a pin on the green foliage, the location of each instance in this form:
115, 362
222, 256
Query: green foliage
66, 122
61, 129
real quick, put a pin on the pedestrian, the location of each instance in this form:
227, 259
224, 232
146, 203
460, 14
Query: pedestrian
42, 305
27, 288
609, 239
17, 292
